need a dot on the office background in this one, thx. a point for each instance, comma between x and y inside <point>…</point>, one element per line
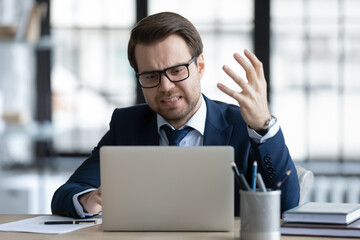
<point>64,68</point>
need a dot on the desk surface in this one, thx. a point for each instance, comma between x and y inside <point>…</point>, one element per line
<point>96,232</point>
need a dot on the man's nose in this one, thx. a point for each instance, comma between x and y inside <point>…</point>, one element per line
<point>165,83</point>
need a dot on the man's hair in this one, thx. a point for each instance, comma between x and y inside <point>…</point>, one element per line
<point>159,26</point>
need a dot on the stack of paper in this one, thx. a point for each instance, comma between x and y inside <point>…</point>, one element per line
<point>34,225</point>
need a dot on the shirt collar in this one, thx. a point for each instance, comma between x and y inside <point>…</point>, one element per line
<point>197,121</point>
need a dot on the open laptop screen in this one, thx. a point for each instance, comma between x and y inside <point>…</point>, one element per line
<point>162,188</point>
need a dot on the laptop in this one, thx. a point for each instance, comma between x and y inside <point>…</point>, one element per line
<point>162,188</point>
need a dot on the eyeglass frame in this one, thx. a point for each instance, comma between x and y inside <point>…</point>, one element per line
<point>164,72</point>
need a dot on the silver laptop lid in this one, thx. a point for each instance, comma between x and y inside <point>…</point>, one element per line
<point>156,188</point>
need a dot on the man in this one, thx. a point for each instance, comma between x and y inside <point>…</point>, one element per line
<point>165,51</point>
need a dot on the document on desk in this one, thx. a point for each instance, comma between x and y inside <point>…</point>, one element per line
<point>36,225</point>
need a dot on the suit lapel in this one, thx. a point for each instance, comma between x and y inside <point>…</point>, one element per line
<point>153,135</point>
<point>146,133</point>
<point>217,130</point>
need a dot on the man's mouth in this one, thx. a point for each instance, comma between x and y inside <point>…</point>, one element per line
<point>173,99</point>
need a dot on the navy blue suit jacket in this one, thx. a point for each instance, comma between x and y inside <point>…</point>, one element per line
<point>224,125</point>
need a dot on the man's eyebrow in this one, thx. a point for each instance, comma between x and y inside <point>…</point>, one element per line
<point>175,65</point>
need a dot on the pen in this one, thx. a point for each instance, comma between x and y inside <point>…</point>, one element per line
<point>283,179</point>
<point>260,182</point>
<point>254,176</point>
<point>236,173</point>
<point>244,183</point>
<point>240,178</point>
<point>70,222</point>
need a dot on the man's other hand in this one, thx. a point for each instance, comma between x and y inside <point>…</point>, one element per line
<point>91,201</point>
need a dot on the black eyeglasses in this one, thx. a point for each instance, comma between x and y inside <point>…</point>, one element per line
<point>176,73</point>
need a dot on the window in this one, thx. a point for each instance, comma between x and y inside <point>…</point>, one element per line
<point>315,56</point>
<point>90,74</point>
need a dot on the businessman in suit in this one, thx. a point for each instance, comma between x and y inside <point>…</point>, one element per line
<point>165,51</point>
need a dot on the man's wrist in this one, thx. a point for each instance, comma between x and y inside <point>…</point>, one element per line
<point>268,124</point>
<point>77,205</point>
<point>83,199</point>
<point>257,138</point>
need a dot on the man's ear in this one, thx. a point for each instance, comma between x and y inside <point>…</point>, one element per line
<point>200,65</point>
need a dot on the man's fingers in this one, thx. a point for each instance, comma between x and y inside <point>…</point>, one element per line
<point>252,98</point>
<point>254,70</point>
<point>251,74</point>
<point>257,64</point>
<point>97,199</point>
<point>236,95</point>
<point>239,80</point>
<point>97,196</point>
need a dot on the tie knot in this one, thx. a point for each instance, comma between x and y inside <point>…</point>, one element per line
<point>175,136</point>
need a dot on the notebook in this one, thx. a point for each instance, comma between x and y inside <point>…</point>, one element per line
<point>162,188</point>
<point>323,212</point>
<point>321,229</point>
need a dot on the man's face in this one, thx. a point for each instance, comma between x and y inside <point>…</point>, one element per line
<point>175,101</point>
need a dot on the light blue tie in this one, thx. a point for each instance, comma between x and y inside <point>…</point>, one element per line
<point>175,136</point>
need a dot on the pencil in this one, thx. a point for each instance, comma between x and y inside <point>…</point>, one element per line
<point>70,222</point>
<point>260,182</point>
<point>254,176</point>
<point>244,182</point>
<point>240,178</point>
<point>236,173</point>
<point>236,170</point>
<point>283,179</point>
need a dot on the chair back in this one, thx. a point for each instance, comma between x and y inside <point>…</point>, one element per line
<point>306,179</point>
